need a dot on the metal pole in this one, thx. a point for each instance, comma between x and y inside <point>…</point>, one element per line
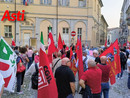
<point>15,22</point>
<point>57,22</point>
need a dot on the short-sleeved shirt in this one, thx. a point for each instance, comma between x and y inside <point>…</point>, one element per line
<point>64,76</point>
<point>128,65</point>
<point>30,53</point>
<point>105,71</point>
<point>92,78</point>
<point>2,82</point>
<point>24,56</point>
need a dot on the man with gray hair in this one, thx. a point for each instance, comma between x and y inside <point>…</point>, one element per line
<point>92,77</point>
<point>96,56</point>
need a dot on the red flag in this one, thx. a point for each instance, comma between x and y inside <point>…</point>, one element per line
<point>80,62</point>
<point>67,48</point>
<point>112,54</point>
<point>109,52</point>
<point>56,50</point>
<point>63,42</point>
<point>13,42</point>
<point>117,57</point>
<point>60,44</point>
<point>51,47</point>
<point>46,83</point>
<point>73,62</point>
<point>76,46</point>
<point>124,44</point>
<point>106,43</point>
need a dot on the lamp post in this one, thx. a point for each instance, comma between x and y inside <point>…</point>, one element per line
<point>15,22</point>
<point>57,22</point>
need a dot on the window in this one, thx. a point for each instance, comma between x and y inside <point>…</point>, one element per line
<point>46,2</point>
<point>79,33</point>
<point>28,1</point>
<point>65,30</point>
<point>7,0</point>
<point>8,31</point>
<point>97,37</point>
<point>63,2</point>
<point>82,3</point>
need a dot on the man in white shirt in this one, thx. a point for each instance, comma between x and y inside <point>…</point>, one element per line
<point>2,82</point>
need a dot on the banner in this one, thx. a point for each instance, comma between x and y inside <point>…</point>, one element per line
<point>109,53</point>
<point>113,55</point>
<point>46,83</point>
<point>79,55</point>
<point>8,67</point>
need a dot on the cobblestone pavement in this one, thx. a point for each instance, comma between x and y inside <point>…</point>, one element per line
<point>118,90</point>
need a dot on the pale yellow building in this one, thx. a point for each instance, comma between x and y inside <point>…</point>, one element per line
<point>103,30</point>
<point>64,16</point>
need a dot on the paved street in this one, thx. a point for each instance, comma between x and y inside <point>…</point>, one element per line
<point>118,90</point>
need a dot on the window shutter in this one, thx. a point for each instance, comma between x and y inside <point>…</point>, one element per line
<point>21,1</point>
<point>67,2</point>
<point>59,2</point>
<point>84,3</point>
<point>41,1</point>
<point>50,1</point>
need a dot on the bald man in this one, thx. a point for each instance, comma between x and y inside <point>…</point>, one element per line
<point>105,76</point>
<point>65,80</point>
<point>92,78</point>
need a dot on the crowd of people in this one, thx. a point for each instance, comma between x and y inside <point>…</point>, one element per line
<point>93,83</point>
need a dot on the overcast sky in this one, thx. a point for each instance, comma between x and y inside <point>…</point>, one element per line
<point>111,10</point>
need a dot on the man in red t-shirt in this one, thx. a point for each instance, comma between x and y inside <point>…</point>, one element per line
<point>105,76</point>
<point>92,77</point>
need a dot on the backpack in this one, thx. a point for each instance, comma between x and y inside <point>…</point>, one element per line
<point>123,58</point>
<point>34,78</point>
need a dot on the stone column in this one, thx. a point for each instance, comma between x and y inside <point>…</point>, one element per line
<point>37,29</point>
<point>17,33</point>
<point>54,27</point>
<point>21,42</point>
<point>72,28</point>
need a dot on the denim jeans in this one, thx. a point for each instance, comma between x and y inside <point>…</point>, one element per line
<point>70,96</point>
<point>19,80</point>
<point>120,74</point>
<point>30,62</point>
<point>96,95</point>
<point>128,84</point>
<point>105,89</point>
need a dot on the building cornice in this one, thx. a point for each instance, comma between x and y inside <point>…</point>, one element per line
<point>100,2</point>
<point>46,5</point>
<point>104,20</point>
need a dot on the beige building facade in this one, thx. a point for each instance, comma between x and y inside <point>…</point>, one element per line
<point>103,30</point>
<point>64,16</point>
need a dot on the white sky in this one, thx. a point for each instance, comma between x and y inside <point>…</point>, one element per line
<point>111,10</point>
